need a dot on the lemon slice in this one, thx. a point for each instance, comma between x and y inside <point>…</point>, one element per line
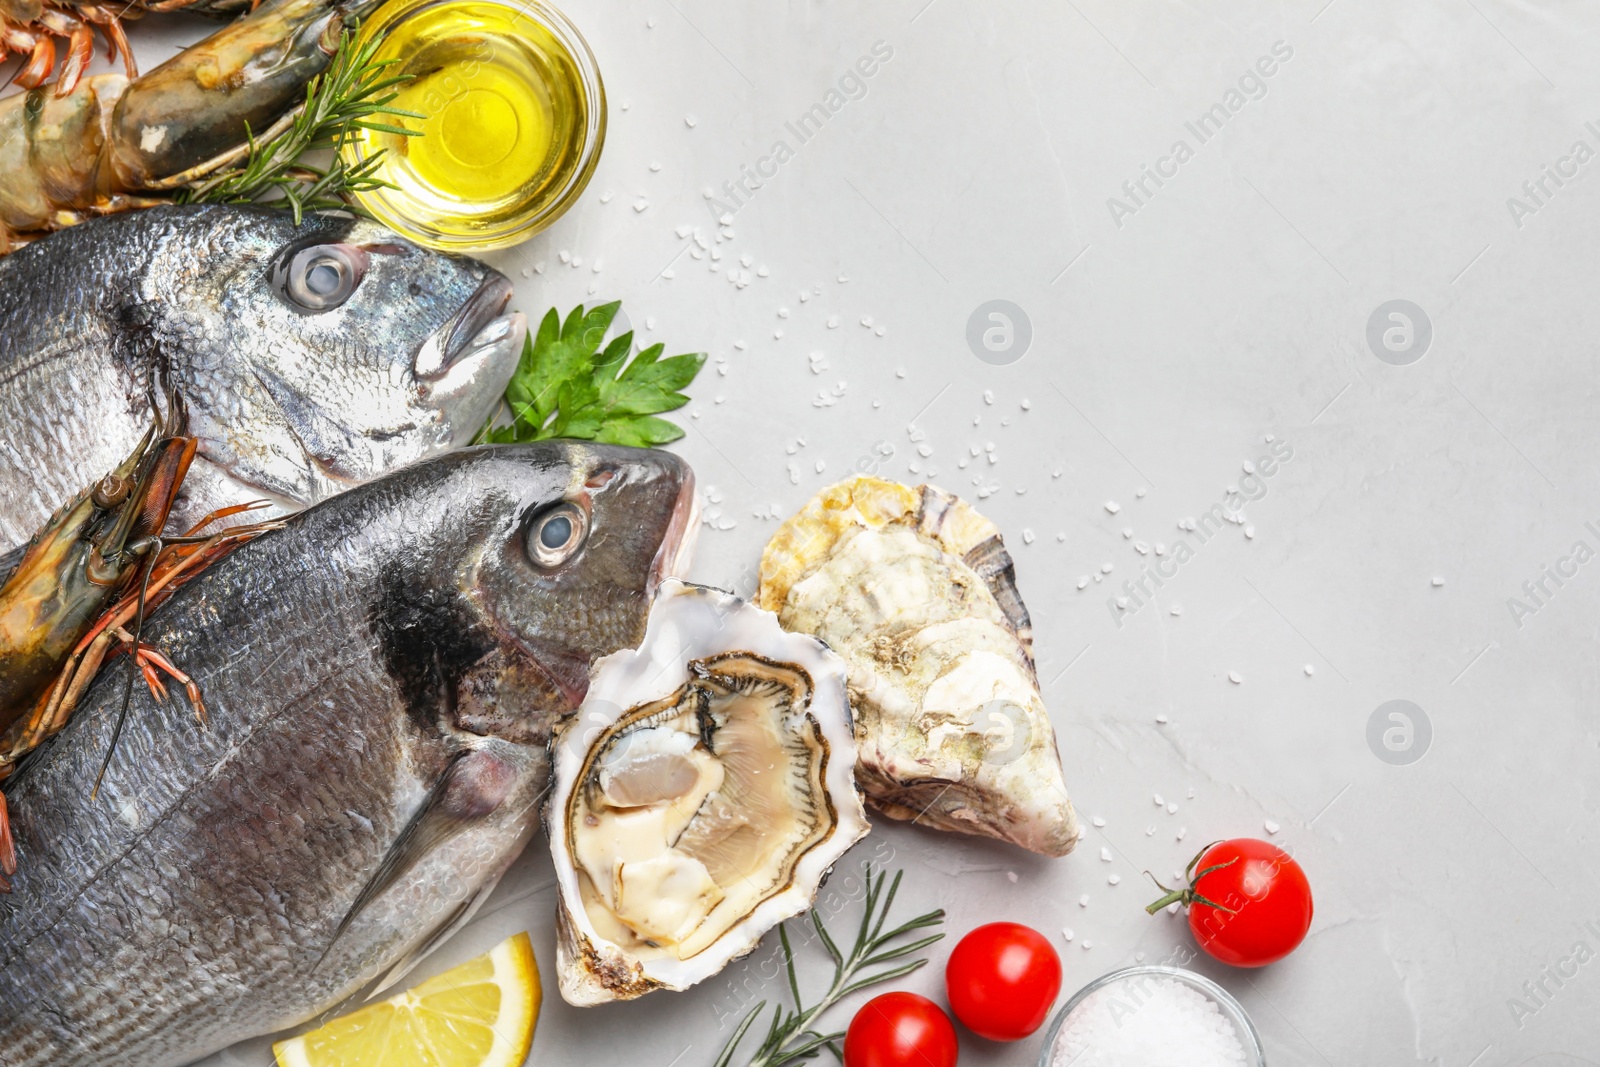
<point>481,1014</point>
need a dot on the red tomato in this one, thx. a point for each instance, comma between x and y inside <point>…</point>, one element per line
<point>1250,903</point>
<point>900,1030</point>
<point>1002,979</point>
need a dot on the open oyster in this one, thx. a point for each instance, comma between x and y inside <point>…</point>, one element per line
<point>699,796</point>
<point>915,589</point>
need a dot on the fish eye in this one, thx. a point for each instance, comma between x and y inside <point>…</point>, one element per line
<point>321,277</point>
<point>556,534</point>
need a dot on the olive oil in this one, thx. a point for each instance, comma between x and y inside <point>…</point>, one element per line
<point>515,114</point>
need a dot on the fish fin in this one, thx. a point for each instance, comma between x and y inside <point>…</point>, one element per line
<point>471,787</point>
<point>449,928</point>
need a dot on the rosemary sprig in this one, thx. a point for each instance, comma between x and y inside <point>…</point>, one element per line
<point>792,1036</point>
<point>345,98</point>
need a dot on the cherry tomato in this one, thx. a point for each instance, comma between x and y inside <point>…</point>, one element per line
<point>1002,979</point>
<point>900,1030</point>
<point>1250,903</point>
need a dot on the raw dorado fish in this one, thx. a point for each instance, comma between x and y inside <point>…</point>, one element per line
<point>310,358</point>
<point>382,678</point>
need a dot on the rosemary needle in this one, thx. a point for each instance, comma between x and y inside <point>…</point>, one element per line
<point>352,94</point>
<point>792,1036</point>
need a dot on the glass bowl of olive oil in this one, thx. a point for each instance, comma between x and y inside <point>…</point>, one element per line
<point>515,118</point>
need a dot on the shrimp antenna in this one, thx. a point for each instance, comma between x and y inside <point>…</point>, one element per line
<point>153,547</point>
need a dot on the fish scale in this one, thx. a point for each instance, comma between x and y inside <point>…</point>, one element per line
<point>287,403</point>
<point>199,899</point>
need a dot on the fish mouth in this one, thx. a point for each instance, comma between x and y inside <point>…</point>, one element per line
<point>479,324</point>
<point>677,546</point>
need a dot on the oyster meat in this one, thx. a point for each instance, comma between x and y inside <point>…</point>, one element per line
<point>916,591</point>
<point>700,795</point>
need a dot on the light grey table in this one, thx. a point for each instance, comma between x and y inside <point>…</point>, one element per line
<point>1185,306</point>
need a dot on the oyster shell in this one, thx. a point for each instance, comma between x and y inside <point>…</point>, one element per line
<point>916,590</point>
<point>699,797</point>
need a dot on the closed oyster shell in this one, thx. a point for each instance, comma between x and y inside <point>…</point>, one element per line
<point>916,591</point>
<point>699,796</point>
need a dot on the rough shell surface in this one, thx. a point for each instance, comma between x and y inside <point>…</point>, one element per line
<point>916,591</point>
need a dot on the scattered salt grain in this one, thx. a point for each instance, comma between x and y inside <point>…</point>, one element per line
<point>640,204</point>
<point>1087,945</point>
<point>1250,532</point>
<point>1172,808</point>
<point>1233,676</point>
<point>1098,820</point>
<point>1177,609</point>
<point>1162,719</point>
<point>1140,492</point>
<point>1437,582</point>
<point>1150,831</point>
<point>866,320</point>
<point>1147,1021</point>
<point>1105,854</point>
<point>1083,901</point>
<point>655,165</point>
<point>1157,798</point>
<point>1114,879</point>
<point>1183,831</point>
<point>1027,537</point>
<point>1310,670</point>
<point>1112,507</point>
<point>690,121</point>
<point>1066,932</point>
<point>1271,827</point>
<point>1011,876</point>
<point>1105,568</point>
<point>1127,533</point>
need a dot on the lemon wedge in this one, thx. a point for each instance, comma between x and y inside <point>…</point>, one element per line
<point>481,1014</point>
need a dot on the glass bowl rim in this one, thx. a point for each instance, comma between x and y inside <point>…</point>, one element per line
<point>593,133</point>
<point>1226,1002</point>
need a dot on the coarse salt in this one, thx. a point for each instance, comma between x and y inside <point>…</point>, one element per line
<point>1148,1021</point>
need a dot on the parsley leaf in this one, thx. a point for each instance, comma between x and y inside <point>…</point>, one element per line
<point>566,385</point>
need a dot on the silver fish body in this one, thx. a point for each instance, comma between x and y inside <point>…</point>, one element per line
<point>309,358</point>
<point>382,677</point>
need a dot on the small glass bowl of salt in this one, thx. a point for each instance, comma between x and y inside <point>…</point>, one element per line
<point>1152,1017</point>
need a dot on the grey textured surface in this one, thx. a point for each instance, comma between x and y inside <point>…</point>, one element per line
<point>1232,303</point>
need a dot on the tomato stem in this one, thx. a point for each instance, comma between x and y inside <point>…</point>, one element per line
<point>1189,896</point>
